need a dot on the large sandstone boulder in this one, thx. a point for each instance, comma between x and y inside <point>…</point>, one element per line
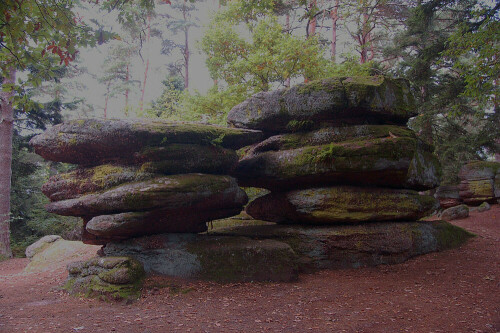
<point>354,100</point>
<point>194,191</point>
<point>97,141</point>
<point>479,182</point>
<point>222,259</point>
<point>342,204</point>
<point>111,278</point>
<point>355,246</point>
<point>401,162</point>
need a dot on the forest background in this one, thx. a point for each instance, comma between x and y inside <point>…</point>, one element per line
<point>195,60</point>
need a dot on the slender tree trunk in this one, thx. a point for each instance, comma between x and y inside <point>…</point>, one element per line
<point>313,22</point>
<point>147,67</point>
<point>287,27</point>
<point>334,14</point>
<point>186,48</point>
<point>127,78</point>
<point>6,133</point>
<point>107,99</point>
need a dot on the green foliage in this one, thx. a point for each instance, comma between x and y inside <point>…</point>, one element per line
<point>29,219</point>
<point>473,51</point>
<point>270,57</point>
<point>452,76</point>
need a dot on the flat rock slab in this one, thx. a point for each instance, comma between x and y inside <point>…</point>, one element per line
<point>336,247</point>
<point>342,204</point>
<point>96,141</point>
<point>135,224</point>
<point>401,162</point>
<point>354,100</point>
<point>222,259</point>
<point>111,278</point>
<point>194,191</point>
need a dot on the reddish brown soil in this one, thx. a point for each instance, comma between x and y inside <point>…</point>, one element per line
<point>451,291</point>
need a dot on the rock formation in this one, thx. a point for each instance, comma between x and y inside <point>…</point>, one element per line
<point>339,154</point>
<point>139,178</point>
<point>480,182</point>
<point>343,170</point>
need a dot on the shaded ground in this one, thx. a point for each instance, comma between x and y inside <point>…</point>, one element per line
<point>452,291</point>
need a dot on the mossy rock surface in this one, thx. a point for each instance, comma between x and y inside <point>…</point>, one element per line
<point>342,204</point>
<point>135,224</point>
<point>353,246</point>
<point>401,162</point>
<point>221,259</point>
<point>475,192</point>
<point>40,245</point>
<point>354,100</point>
<point>108,278</point>
<point>97,141</point>
<point>454,213</point>
<point>329,135</point>
<point>93,179</point>
<point>195,191</point>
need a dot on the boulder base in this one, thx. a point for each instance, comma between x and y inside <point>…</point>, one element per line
<point>342,204</point>
<point>222,259</point>
<point>369,244</point>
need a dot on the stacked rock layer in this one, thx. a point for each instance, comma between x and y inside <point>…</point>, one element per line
<point>338,153</point>
<point>479,182</point>
<point>139,178</point>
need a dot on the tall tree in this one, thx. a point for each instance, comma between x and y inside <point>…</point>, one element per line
<point>32,32</point>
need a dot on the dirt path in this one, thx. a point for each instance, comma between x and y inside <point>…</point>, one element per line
<point>451,291</point>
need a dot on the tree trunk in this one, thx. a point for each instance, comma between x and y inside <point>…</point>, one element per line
<point>127,78</point>
<point>334,14</point>
<point>147,67</point>
<point>313,22</point>
<point>6,133</point>
<point>107,99</point>
<point>186,48</point>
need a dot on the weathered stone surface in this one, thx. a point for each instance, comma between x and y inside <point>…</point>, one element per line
<point>454,213</point>
<point>222,259</point>
<point>448,196</point>
<point>97,141</point>
<point>186,158</point>
<point>134,224</point>
<point>474,192</point>
<point>145,165</point>
<point>343,204</point>
<point>196,191</point>
<point>113,278</point>
<point>480,182</point>
<point>400,162</point>
<point>483,207</point>
<point>58,254</point>
<point>355,100</point>
<point>327,135</point>
<point>95,179</point>
<point>40,245</point>
<point>354,246</point>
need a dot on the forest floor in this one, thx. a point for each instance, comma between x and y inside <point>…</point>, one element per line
<point>452,291</point>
